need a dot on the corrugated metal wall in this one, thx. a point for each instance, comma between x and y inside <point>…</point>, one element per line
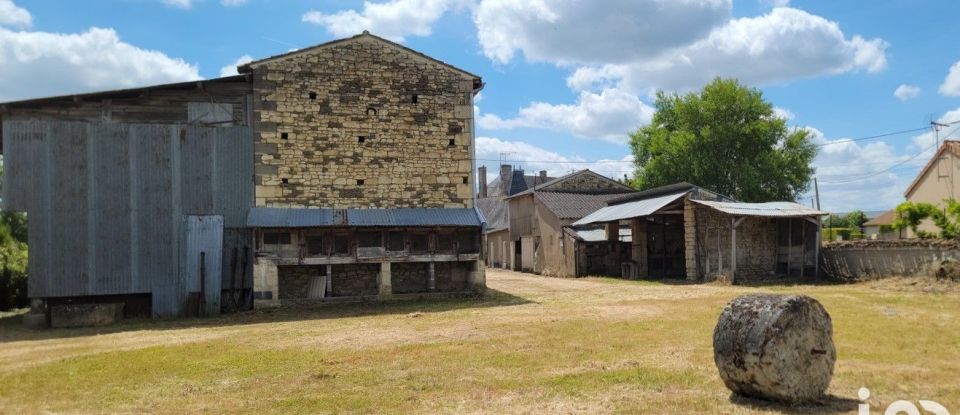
<point>105,201</point>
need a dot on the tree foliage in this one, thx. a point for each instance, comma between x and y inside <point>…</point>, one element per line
<point>911,214</point>
<point>725,138</point>
<point>13,258</point>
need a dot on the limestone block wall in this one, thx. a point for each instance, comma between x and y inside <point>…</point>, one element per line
<point>410,277</point>
<point>454,276</point>
<point>363,123</point>
<point>355,279</point>
<point>756,246</point>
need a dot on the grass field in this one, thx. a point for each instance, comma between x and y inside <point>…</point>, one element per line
<point>534,345</point>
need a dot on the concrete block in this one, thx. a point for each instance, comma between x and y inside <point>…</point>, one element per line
<point>85,315</point>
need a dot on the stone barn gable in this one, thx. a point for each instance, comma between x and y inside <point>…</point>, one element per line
<point>363,123</point>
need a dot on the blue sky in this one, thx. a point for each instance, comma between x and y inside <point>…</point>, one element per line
<point>566,80</point>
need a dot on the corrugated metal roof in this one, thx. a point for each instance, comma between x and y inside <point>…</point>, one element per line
<point>600,235</point>
<point>769,209</point>
<point>267,217</point>
<point>574,205</point>
<point>629,210</point>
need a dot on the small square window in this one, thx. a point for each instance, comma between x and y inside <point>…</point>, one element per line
<point>284,136</point>
<point>414,98</point>
<point>419,242</point>
<point>359,182</point>
<point>276,238</point>
<point>371,111</point>
<point>361,139</point>
<point>314,245</point>
<point>466,180</point>
<point>313,95</point>
<point>285,181</point>
<point>341,245</point>
<point>452,142</point>
<point>395,241</point>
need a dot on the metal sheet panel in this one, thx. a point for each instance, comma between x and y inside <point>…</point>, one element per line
<point>105,200</point>
<point>201,261</point>
<point>110,192</point>
<point>768,209</point>
<point>233,175</point>
<point>629,210</point>
<point>70,265</point>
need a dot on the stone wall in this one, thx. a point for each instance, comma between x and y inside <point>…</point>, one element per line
<point>349,280</point>
<point>355,279</point>
<point>588,183</point>
<point>866,260</point>
<point>756,246</point>
<point>410,277</point>
<point>363,123</point>
<point>453,276</point>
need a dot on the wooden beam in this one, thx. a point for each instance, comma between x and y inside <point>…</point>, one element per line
<point>733,249</point>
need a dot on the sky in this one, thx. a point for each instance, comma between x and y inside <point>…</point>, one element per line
<point>566,80</point>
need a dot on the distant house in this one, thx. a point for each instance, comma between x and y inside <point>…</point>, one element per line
<point>935,182</point>
<point>880,227</point>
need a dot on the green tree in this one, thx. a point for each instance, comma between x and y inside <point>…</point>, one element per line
<point>725,138</point>
<point>910,214</point>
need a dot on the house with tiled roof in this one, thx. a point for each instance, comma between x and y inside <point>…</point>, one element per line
<point>935,182</point>
<point>537,218</point>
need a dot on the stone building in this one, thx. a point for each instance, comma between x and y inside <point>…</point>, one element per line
<point>343,170</point>
<point>684,231</point>
<point>492,203</point>
<point>537,218</point>
<point>364,173</point>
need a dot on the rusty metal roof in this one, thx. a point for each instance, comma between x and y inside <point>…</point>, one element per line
<point>271,217</point>
<point>768,209</point>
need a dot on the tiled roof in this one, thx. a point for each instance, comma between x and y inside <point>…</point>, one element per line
<point>494,211</point>
<point>495,187</point>
<point>885,218</point>
<point>574,205</point>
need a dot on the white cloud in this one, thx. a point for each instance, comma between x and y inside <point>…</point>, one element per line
<point>905,92</point>
<point>233,3</point>
<point>38,64</point>
<point>784,113</point>
<point>231,69</point>
<point>534,158</point>
<point>951,84</point>
<point>183,4</point>
<point>575,31</point>
<point>783,45</point>
<point>13,16</point>
<point>610,115</point>
<point>394,20</point>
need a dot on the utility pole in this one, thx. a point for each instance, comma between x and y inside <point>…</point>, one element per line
<point>816,192</point>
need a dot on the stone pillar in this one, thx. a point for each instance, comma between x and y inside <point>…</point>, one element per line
<point>432,277</point>
<point>690,238</point>
<point>613,241</point>
<point>266,284</point>
<point>384,282</point>
<point>477,277</point>
<point>329,280</point>
<point>638,252</point>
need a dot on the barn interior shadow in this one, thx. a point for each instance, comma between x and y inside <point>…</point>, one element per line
<point>830,404</point>
<point>11,327</point>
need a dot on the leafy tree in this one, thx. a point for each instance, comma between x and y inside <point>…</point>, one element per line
<point>856,219</point>
<point>725,138</point>
<point>910,214</point>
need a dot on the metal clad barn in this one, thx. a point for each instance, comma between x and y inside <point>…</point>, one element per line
<point>106,203</point>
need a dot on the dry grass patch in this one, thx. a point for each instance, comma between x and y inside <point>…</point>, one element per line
<point>535,345</point>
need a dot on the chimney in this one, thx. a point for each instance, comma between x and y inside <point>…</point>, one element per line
<point>482,172</point>
<point>506,178</point>
<point>543,176</point>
